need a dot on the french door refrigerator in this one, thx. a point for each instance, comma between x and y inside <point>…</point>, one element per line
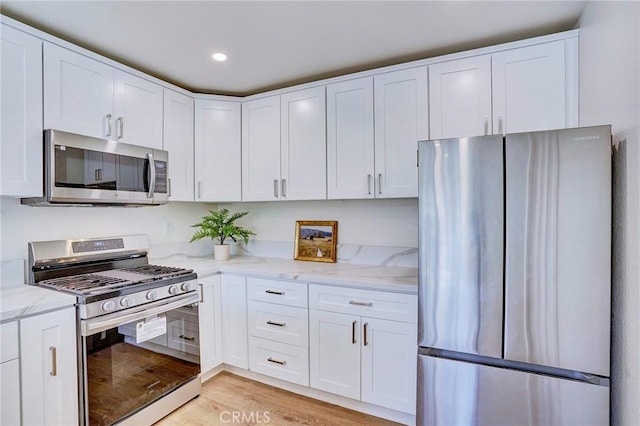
<point>515,279</point>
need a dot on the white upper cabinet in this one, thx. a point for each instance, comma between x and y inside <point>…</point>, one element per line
<point>303,148</point>
<point>218,151</point>
<point>401,120</point>
<point>519,90</point>
<point>261,149</point>
<point>529,91</point>
<point>21,115</point>
<point>137,110</point>
<point>85,96</point>
<point>178,141</point>
<point>350,153</point>
<point>460,98</point>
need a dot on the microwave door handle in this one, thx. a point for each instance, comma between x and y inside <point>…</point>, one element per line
<point>152,175</point>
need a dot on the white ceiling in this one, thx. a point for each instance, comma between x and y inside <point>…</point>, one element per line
<point>275,44</point>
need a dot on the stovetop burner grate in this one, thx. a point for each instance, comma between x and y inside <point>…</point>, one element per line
<point>81,284</point>
<point>156,270</point>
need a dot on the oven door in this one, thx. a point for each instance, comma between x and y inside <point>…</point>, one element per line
<point>132,358</point>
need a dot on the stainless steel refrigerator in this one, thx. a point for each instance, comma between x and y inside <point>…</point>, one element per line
<point>515,279</point>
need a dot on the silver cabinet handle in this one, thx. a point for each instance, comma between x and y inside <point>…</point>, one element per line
<point>279,293</point>
<point>486,126</point>
<point>369,184</point>
<point>201,292</point>
<point>379,183</point>
<point>120,122</point>
<point>364,338</point>
<point>109,120</point>
<point>190,339</point>
<point>275,361</point>
<point>279,324</point>
<point>169,186</point>
<point>283,184</point>
<point>353,302</point>
<point>199,189</point>
<point>353,332</point>
<point>152,175</point>
<point>275,188</point>
<point>499,125</point>
<point>54,361</point>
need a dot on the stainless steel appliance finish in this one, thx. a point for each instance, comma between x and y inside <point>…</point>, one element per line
<point>136,324</point>
<point>85,170</point>
<point>461,230</point>
<point>545,210</point>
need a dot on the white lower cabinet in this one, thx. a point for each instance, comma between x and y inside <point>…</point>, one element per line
<point>234,321</point>
<point>279,360</point>
<point>49,368</point>
<point>210,315</point>
<point>9,374</point>
<point>358,355</point>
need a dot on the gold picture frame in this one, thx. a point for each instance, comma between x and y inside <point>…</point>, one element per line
<point>316,240</point>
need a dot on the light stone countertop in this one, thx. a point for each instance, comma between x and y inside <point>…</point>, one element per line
<point>22,300</point>
<point>385,278</point>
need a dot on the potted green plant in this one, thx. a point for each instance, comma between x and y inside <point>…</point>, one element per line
<point>219,226</point>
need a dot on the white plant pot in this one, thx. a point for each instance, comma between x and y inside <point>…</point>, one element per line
<point>221,252</point>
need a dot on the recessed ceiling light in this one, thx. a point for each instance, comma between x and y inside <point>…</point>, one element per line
<point>220,57</point>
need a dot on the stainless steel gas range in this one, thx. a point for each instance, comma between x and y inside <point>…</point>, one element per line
<point>137,326</point>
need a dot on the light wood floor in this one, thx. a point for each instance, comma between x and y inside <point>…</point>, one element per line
<point>226,395</point>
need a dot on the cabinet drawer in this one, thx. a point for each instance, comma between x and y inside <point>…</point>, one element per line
<point>279,360</point>
<point>184,336</point>
<point>370,303</point>
<point>8,341</point>
<point>188,313</point>
<point>286,324</point>
<point>276,291</point>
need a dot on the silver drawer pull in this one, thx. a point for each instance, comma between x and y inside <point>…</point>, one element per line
<point>183,337</point>
<point>279,293</point>
<point>279,324</point>
<point>275,361</point>
<point>353,302</point>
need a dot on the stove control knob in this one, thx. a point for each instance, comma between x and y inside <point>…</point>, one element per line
<point>185,286</point>
<point>152,295</point>
<point>125,302</point>
<point>108,306</point>
<point>173,289</point>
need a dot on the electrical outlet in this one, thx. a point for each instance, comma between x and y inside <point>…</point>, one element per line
<point>168,227</point>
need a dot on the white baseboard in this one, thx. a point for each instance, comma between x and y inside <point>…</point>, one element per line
<point>352,404</point>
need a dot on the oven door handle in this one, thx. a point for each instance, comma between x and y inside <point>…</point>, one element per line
<point>105,322</point>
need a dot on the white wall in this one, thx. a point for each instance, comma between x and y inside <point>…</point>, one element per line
<point>610,94</point>
<point>164,224</point>
<point>391,223</point>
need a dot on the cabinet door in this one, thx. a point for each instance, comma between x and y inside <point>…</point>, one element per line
<point>529,88</point>
<point>210,316</point>
<point>350,139</point>
<point>78,93</point>
<point>137,110</point>
<point>303,149</point>
<point>218,154</point>
<point>389,364</point>
<point>460,98</point>
<point>261,149</point>
<point>21,114</point>
<point>334,353</point>
<point>178,140</point>
<point>49,368</point>
<point>234,321</point>
<point>401,120</point>
<point>10,392</point>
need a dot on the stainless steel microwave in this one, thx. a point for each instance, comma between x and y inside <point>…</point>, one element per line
<point>85,170</point>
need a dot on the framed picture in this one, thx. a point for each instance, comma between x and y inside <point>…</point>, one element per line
<point>316,240</point>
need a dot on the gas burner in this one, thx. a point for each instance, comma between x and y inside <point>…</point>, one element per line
<point>157,271</point>
<point>83,284</point>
